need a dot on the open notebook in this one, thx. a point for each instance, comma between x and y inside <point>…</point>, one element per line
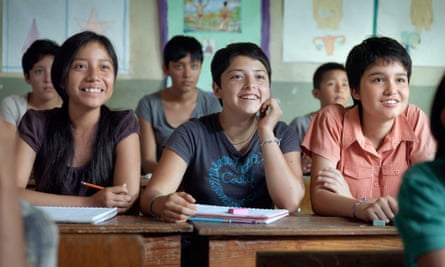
<point>79,214</point>
<point>212,213</point>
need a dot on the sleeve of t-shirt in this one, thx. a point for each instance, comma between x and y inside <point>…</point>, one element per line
<point>31,128</point>
<point>323,136</point>
<point>289,141</point>
<point>421,215</point>
<point>145,109</point>
<point>9,111</point>
<point>209,104</point>
<point>126,124</point>
<point>183,140</point>
<point>424,148</point>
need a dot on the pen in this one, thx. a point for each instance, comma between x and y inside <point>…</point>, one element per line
<point>92,185</point>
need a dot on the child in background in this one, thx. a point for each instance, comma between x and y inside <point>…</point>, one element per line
<point>231,158</point>
<point>330,87</point>
<point>162,112</point>
<point>421,216</point>
<point>83,140</point>
<point>36,64</point>
<point>360,153</point>
<point>24,230</point>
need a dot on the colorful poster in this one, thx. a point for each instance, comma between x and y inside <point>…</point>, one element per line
<point>27,20</point>
<point>324,30</point>
<point>215,23</point>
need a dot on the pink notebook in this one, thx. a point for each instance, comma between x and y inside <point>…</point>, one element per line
<point>212,213</point>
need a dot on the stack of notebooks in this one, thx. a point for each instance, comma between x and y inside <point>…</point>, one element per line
<point>91,215</point>
<point>212,213</point>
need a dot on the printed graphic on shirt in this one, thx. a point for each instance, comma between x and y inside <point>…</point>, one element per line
<point>230,173</point>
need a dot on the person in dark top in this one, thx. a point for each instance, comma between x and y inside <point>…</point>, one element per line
<point>83,140</point>
<point>241,156</point>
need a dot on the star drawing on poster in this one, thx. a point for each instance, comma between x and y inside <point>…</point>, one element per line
<point>94,24</point>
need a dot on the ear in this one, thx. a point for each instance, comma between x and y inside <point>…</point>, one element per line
<point>442,118</point>
<point>27,80</point>
<point>316,93</point>
<point>216,90</point>
<point>355,94</point>
<point>165,70</point>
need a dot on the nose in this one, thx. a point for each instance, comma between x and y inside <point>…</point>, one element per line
<point>250,83</point>
<point>93,74</point>
<point>47,77</point>
<point>390,88</point>
<point>187,71</point>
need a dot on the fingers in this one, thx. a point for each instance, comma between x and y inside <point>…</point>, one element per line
<point>384,208</point>
<point>331,179</point>
<point>178,207</point>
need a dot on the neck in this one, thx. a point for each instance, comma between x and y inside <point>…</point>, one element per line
<point>178,95</point>
<point>41,104</point>
<point>376,131</point>
<point>238,132</point>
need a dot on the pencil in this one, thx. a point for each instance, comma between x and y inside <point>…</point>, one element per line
<point>92,185</point>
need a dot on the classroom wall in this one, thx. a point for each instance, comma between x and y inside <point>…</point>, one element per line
<point>291,82</point>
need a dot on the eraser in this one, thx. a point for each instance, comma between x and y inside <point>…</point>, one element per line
<point>378,223</point>
<point>239,211</point>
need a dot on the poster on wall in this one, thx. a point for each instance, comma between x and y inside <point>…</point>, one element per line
<point>24,21</point>
<point>215,23</point>
<point>418,25</point>
<point>318,31</point>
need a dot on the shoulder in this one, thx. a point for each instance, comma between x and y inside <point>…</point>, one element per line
<point>150,99</point>
<point>414,113</point>
<point>123,116</point>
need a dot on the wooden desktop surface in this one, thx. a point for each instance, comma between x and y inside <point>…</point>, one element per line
<point>238,244</point>
<point>155,243</point>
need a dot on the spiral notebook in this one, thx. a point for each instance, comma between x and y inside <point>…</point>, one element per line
<point>91,215</point>
<point>213,213</point>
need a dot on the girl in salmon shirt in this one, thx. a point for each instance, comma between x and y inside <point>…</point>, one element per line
<point>359,154</point>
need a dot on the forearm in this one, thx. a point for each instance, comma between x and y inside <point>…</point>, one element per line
<point>46,199</point>
<point>12,246</point>
<point>323,203</point>
<point>284,179</point>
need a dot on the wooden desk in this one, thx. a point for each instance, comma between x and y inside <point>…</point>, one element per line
<point>161,241</point>
<point>238,244</point>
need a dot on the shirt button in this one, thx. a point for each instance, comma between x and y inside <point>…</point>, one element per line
<point>397,172</point>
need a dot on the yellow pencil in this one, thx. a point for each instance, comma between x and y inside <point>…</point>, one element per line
<point>92,185</point>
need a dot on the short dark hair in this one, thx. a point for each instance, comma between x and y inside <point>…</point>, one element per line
<point>437,126</point>
<point>322,69</point>
<point>365,54</point>
<point>224,56</point>
<point>180,46</point>
<point>64,58</point>
<point>36,51</point>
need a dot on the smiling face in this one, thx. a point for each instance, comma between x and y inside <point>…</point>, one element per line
<point>244,85</point>
<point>184,73</point>
<point>384,90</point>
<point>334,88</point>
<point>39,77</point>
<point>90,78</point>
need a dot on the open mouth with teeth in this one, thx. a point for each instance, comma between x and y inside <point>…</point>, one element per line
<point>92,90</point>
<point>390,102</point>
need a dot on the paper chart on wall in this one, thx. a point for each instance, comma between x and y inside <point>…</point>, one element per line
<point>27,20</point>
<point>320,31</point>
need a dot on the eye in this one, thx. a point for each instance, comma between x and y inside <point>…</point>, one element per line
<point>236,77</point>
<point>178,66</point>
<point>38,71</point>
<point>261,77</point>
<point>195,66</point>
<point>401,80</point>
<point>79,66</point>
<point>105,67</point>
